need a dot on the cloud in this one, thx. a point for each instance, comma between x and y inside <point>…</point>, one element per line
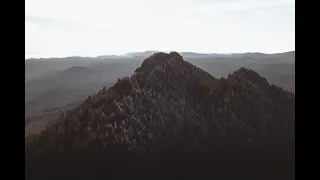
<point>94,12</point>
<point>45,21</point>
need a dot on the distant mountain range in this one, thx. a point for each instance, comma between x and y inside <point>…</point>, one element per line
<point>146,54</point>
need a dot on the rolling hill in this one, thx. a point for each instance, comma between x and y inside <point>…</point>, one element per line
<point>58,88</point>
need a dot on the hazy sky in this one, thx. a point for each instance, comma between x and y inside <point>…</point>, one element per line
<point>97,27</point>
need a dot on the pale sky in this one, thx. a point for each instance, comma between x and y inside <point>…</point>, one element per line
<point>58,28</point>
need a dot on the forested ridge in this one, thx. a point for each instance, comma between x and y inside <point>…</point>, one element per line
<point>171,118</point>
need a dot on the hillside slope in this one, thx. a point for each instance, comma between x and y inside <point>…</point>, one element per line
<point>62,87</point>
<point>168,117</point>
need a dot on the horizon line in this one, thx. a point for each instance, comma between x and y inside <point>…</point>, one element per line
<point>127,53</point>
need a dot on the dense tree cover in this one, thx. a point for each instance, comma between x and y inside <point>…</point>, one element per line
<point>167,117</point>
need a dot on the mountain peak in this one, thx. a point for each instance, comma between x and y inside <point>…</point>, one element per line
<point>175,54</point>
<point>170,106</point>
<point>160,58</point>
<point>249,76</point>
